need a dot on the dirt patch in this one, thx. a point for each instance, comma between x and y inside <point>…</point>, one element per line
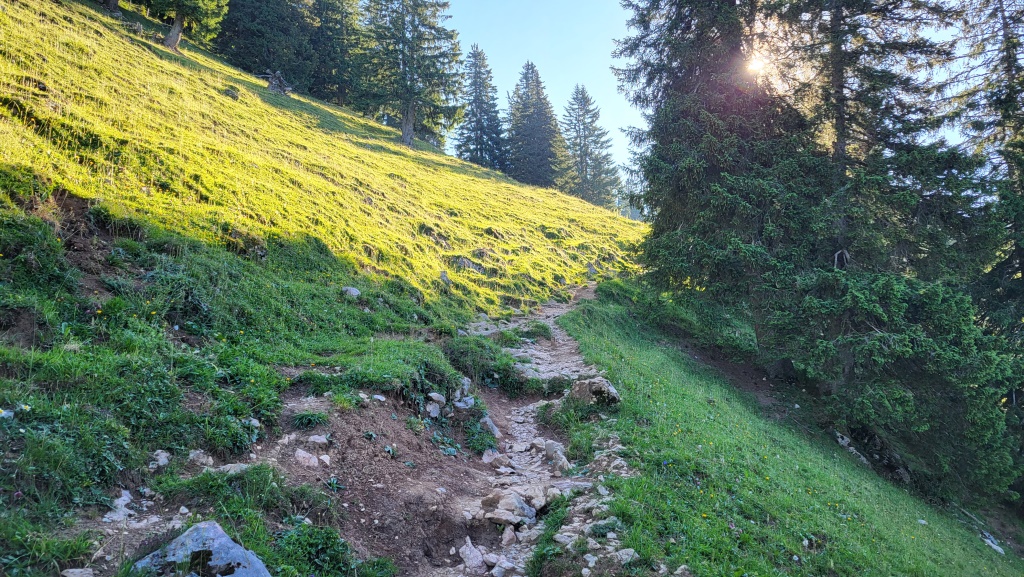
<point>18,327</point>
<point>398,484</point>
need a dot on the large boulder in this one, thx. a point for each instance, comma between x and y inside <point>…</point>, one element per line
<point>597,391</point>
<point>206,550</point>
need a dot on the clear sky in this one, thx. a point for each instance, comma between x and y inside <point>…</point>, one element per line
<point>570,41</point>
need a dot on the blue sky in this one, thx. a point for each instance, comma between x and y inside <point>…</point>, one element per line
<point>570,41</point>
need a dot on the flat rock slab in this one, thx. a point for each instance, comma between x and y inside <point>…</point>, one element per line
<point>207,550</point>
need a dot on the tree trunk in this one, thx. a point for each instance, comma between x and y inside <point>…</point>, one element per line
<point>112,5</point>
<point>840,147</point>
<point>1011,73</point>
<point>174,36</point>
<point>408,123</point>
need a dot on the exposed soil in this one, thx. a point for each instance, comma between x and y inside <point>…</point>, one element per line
<point>86,246</point>
<point>18,327</point>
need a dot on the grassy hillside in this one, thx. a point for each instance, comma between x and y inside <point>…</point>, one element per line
<point>189,144</point>
<point>727,490</point>
<point>174,240</point>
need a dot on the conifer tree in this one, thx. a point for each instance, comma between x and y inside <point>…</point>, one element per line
<point>991,108</point>
<point>201,17</point>
<point>340,44</point>
<point>261,35</point>
<point>821,205</point>
<point>537,152</point>
<point>597,177</point>
<point>414,72</point>
<point>480,136</point>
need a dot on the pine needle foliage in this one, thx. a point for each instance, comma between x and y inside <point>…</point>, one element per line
<point>415,66</point>
<point>589,146</point>
<point>537,151</point>
<point>480,137</point>
<point>816,202</point>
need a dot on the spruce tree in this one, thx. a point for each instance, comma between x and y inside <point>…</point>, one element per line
<point>820,205</point>
<point>480,137</point>
<point>340,44</point>
<point>261,35</point>
<point>537,151</point>
<point>414,66</point>
<point>908,219</point>
<point>201,17</point>
<point>597,177</point>
<point>991,108</point>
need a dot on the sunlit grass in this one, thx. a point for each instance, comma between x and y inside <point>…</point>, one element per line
<point>113,117</point>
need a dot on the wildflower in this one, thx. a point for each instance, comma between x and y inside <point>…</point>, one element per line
<point>26,408</point>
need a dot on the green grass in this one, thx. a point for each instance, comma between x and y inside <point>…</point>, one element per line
<point>95,111</point>
<point>214,239</point>
<point>729,492</point>
<point>309,420</point>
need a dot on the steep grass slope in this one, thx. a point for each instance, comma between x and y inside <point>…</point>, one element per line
<point>174,240</point>
<point>189,144</point>
<point>730,491</point>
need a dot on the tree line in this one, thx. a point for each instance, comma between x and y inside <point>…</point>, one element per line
<point>395,61</point>
<point>849,180</point>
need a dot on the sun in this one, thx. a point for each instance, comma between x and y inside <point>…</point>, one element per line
<point>756,65</point>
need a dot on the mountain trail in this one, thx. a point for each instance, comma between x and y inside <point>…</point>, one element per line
<point>410,494</point>
<point>533,472</point>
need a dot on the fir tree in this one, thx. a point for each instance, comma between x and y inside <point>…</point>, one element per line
<point>819,204</point>
<point>597,177</point>
<point>537,153</point>
<point>341,45</point>
<point>991,108</point>
<point>261,35</point>
<point>201,17</point>
<point>414,66</point>
<point>480,136</point>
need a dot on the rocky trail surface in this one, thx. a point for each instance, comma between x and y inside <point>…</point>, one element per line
<point>435,514</point>
<point>533,471</point>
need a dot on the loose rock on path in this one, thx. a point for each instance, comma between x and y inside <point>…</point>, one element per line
<point>531,471</point>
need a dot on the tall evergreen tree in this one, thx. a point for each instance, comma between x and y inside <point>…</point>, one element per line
<point>480,137</point>
<point>201,17</point>
<point>874,111</point>
<point>341,45</point>
<point>537,151</point>
<point>991,108</point>
<point>261,35</point>
<point>731,171</point>
<point>909,224</point>
<point>597,177</point>
<point>819,205</point>
<point>415,65</point>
